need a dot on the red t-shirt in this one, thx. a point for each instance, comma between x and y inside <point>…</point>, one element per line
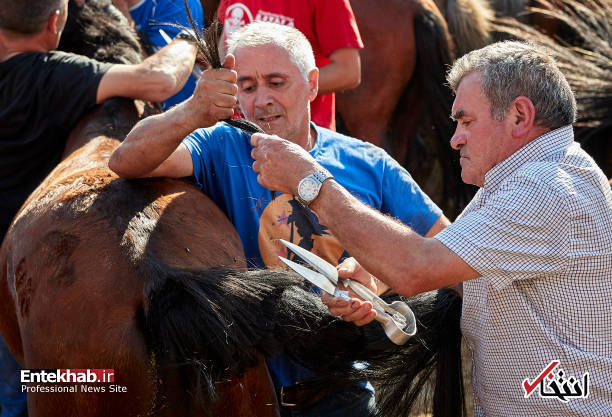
<point>327,24</point>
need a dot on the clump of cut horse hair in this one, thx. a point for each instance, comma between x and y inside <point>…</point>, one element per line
<point>27,17</point>
<point>207,325</point>
<point>510,69</point>
<point>207,43</point>
<point>287,38</point>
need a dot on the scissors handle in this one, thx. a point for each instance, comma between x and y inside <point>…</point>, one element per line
<point>397,318</point>
<point>368,295</point>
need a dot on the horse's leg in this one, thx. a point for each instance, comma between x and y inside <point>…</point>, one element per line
<point>387,62</point>
<point>9,327</point>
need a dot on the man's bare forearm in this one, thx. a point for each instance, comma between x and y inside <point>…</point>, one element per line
<point>151,142</point>
<point>171,65</point>
<point>386,248</point>
<point>394,253</point>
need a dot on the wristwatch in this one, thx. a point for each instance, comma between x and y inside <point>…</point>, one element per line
<point>309,186</point>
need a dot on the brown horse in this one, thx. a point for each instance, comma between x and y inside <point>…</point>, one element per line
<point>402,103</point>
<point>75,282</point>
<point>100,272</point>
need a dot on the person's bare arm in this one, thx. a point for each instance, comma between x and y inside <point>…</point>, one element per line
<point>407,262</point>
<point>153,147</point>
<point>156,78</point>
<point>342,73</point>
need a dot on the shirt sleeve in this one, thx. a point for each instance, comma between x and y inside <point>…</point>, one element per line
<point>75,79</point>
<point>404,199</point>
<point>198,145</point>
<point>521,232</point>
<point>335,26</point>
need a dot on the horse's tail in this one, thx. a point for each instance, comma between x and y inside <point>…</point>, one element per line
<point>469,22</point>
<point>434,49</point>
<point>206,325</point>
<point>404,376</point>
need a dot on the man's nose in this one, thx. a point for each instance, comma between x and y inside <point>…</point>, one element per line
<point>263,97</point>
<point>457,140</point>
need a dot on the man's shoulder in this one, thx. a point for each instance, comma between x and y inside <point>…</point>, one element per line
<point>349,144</point>
<point>40,61</point>
<point>55,56</point>
<point>562,176</point>
<point>222,137</point>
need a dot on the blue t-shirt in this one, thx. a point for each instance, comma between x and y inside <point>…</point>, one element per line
<point>152,15</point>
<point>222,169</point>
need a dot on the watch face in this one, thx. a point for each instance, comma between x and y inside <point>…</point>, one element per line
<point>308,189</point>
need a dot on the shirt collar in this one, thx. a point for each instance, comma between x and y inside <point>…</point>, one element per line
<point>551,146</point>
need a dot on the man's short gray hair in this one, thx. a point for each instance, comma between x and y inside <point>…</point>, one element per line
<point>511,69</point>
<point>27,16</point>
<point>285,37</point>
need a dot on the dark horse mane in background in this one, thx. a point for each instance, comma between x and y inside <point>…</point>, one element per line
<point>146,277</point>
<point>582,49</point>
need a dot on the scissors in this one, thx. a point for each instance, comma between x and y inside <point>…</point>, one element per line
<point>397,319</point>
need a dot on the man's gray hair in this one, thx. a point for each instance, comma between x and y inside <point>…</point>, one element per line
<point>27,16</point>
<point>511,69</point>
<point>285,37</point>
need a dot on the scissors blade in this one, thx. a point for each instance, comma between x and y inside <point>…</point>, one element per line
<point>313,277</point>
<point>315,261</point>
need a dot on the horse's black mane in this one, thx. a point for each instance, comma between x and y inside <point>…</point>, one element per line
<point>207,43</point>
<point>99,31</point>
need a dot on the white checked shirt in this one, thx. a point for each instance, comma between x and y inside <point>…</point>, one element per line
<point>539,232</point>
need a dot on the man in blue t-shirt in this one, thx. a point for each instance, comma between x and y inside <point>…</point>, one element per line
<point>276,80</point>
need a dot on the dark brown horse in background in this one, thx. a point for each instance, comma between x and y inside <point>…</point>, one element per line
<point>403,103</point>
<point>101,272</point>
<point>581,46</point>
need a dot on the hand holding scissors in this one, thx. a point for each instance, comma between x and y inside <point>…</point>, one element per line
<point>397,319</point>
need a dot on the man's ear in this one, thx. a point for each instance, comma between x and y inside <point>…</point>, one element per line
<point>53,22</point>
<point>523,116</point>
<point>313,82</point>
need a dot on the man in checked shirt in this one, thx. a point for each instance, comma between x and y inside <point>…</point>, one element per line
<point>533,249</point>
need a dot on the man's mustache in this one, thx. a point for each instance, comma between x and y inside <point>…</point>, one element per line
<point>268,111</point>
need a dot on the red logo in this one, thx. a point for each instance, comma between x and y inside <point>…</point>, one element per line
<point>557,384</point>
